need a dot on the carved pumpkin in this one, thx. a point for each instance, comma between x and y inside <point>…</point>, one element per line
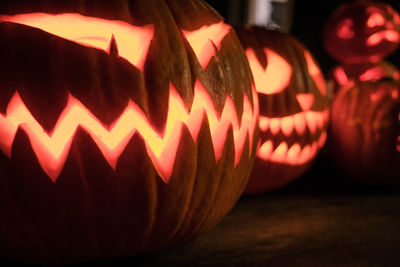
<point>364,72</point>
<point>362,31</point>
<point>125,127</point>
<point>364,136</point>
<point>293,106</point>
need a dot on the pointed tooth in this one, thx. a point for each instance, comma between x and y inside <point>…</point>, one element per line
<point>293,154</point>
<point>279,155</point>
<point>287,125</point>
<point>311,122</point>
<point>265,150</point>
<point>299,123</point>
<point>320,120</point>
<point>304,155</point>
<point>275,125</point>
<point>314,150</point>
<point>263,123</point>
<point>322,139</point>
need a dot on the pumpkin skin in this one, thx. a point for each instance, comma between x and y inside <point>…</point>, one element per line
<point>90,209</point>
<point>362,31</point>
<point>364,133</point>
<point>294,107</point>
<point>364,72</point>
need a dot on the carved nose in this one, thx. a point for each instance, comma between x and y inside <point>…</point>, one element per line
<point>305,100</point>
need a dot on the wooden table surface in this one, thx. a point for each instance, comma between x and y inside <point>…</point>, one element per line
<point>322,219</point>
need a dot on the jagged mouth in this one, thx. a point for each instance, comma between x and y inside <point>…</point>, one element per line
<point>293,140</point>
<point>378,37</point>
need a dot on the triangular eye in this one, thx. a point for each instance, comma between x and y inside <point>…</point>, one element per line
<point>305,100</point>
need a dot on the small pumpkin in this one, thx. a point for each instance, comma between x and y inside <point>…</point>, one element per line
<point>125,126</point>
<point>293,106</point>
<point>364,134</point>
<point>362,31</point>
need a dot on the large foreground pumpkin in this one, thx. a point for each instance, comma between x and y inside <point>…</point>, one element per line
<point>364,135</point>
<point>293,106</point>
<point>125,126</point>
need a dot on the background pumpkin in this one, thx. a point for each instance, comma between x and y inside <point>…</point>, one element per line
<point>92,206</point>
<point>364,134</point>
<point>293,106</point>
<point>362,31</point>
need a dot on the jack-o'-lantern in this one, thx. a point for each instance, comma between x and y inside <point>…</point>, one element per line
<point>368,71</point>
<point>293,106</point>
<point>362,31</point>
<point>125,126</point>
<point>364,134</point>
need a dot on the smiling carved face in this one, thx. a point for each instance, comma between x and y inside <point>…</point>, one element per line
<point>362,31</point>
<point>125,126</point>
<point>293,106</point>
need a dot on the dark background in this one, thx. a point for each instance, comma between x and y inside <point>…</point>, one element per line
<point>307,24</point>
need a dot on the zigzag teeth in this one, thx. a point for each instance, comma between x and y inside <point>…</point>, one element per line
<point>293,155</point>
<point>311,120</point>
<point>52,150</point>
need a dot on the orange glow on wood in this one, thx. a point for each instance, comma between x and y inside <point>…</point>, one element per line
<point>315,73</point>
<point>275,77</point>
<point>204,39</point>
<point>52,148</point>
<point>133,41</point>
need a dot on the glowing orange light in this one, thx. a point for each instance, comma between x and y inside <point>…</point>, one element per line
<point>305,100</point>
<point>398,140</point>
<point>133,42</point>
<point>340,76</point>
<point>345,29</point>
<point>204,39</point>
<point>294,155</point>
<point>375,19</point>
<point>372,74</point>
<point>398,144</point>
<point>378,37</point>
<point>275,78</point>
<point>52,149</point>
<point>315,73</point>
